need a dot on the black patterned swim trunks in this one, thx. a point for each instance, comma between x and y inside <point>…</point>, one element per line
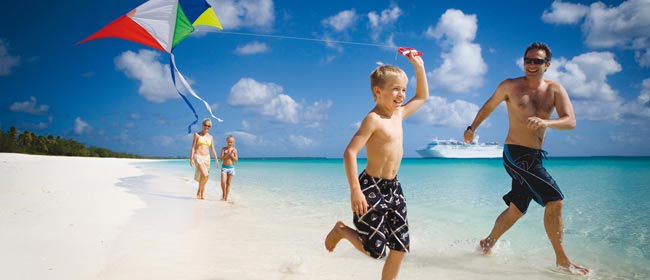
<point>384,224</point>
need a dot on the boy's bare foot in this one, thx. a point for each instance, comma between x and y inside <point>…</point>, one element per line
<point>486,245</point>
<point>574,269</point>
<point>334,236</point>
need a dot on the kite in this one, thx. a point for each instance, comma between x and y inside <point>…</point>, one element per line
<point>163,24</point>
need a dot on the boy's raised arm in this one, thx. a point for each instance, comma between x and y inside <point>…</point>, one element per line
<point>421,89</point>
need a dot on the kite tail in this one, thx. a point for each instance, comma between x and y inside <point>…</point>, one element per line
<point>182,80</point>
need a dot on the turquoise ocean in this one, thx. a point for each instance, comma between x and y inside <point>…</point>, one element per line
<point>453,203</point>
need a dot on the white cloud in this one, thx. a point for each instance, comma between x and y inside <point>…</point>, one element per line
<point>626,25</point>
<point>81,126</point>
<point>378,22</point>
<point>245,125</point>
<point>267,99</point>
<point>565,13</point>
<point>29,107</point>
<point>463,67</point>
<point>155,77</point>
<point>438,111</point>
<point>641,106</point>
<point>585,79</point>
<point>585,76</point>
<point>245,138</point>
<point>7,61</point>
<point>301,141</point>
<point>252,48</point>
<point>454,27</point>
<point>341,21</point>
<point>642,57</point>
<point>234,14</point>
<point>316,112</point>
<point>163,140</point>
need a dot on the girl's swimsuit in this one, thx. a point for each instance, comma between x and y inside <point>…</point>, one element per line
<point>228,169</point>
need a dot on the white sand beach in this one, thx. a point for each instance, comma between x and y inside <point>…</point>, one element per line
<point>72,218</point>
<point>92,218</point>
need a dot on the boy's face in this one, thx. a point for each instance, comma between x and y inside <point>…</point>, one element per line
<point>392,94</point>
<point>230,142</point>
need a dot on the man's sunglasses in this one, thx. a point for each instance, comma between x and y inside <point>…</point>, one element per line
<point>534,61</point>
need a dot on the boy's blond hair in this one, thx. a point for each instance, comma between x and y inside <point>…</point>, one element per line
<point>383,74</point>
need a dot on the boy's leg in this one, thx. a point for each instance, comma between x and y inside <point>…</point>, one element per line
<point>392,265</point>
<point>507,218</point>
<point>341,231</point>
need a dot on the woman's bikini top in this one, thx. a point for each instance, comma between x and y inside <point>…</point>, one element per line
<point>202,141</point>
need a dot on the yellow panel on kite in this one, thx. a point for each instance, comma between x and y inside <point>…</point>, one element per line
<point>209,18</point>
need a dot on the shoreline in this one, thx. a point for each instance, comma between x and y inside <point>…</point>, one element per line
<point>103,218</point>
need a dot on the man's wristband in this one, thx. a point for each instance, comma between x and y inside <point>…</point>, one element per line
<point>470,128</point>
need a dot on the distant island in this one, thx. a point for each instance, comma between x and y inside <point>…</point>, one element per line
<point>27,142</point>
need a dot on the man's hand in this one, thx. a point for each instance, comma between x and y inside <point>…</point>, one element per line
<point>535,123</point>
<point>468,136</point>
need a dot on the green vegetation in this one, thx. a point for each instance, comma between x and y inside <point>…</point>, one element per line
<point>29,143</point>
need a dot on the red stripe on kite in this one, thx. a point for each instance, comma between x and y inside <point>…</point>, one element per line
<point>125,28</point>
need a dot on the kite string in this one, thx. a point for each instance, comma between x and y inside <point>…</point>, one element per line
<point>296,38</point>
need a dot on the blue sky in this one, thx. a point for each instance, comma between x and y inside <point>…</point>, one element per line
<point>288,97</point>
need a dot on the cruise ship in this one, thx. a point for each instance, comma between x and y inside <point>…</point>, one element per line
<point>458,149</point>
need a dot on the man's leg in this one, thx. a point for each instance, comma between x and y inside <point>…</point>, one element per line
<point>392,265</point>
<point>507,218</point>
<point>555,231</point>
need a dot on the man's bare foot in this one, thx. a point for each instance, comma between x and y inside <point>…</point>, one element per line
<point>334,236</point>
<point>574,269</point>
<point>486,245</point>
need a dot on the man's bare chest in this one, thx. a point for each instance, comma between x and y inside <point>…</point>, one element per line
<point>533,102</point>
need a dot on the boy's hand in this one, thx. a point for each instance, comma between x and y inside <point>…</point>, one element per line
<point>359,203</point>
<point>416,60</point>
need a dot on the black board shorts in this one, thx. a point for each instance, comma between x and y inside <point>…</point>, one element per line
<point>530,180</point>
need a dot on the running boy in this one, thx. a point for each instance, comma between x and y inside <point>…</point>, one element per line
<point>376,196</point>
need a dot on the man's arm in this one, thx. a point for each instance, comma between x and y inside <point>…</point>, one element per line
<point>359,140</point>
<point>421,89</point>
<point>497,97</point>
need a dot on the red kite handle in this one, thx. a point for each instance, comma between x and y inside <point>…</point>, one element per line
<point>406,51</point>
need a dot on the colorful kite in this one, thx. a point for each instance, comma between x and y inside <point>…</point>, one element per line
<point>162,24</point>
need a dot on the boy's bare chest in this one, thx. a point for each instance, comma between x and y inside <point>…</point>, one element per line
<point>390,132</point>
